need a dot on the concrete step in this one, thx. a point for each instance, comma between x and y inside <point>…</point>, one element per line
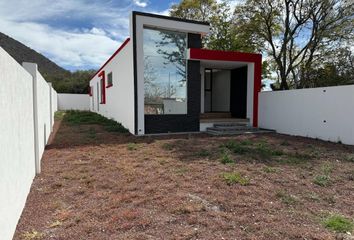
<point>231,128</point>
<point>231,124</point>
<point>238,132</point>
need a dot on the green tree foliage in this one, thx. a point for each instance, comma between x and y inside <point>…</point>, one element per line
<point>71,82</point>
<point>223,33</point>
<point>298,35</point>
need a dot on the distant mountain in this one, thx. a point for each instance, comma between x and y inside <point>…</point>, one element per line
<point>22,53</point>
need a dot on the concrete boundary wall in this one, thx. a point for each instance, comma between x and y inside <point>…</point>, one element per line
<point>68,101</point>
<point>323,113</point>
<point>27,107</point>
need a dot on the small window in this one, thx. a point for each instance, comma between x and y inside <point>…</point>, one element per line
<point>109,80</point>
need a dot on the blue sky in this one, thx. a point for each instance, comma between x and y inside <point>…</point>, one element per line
<point>76,34</point>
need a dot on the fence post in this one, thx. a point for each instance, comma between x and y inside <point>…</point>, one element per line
<point>33,69</point>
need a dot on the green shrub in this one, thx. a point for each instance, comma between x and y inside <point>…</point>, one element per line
<point>226,158</point>
<point>322,180</point>
<point>338,223</point>
<point>235,177</point>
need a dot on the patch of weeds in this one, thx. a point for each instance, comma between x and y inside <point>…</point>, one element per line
<point>226,158</point>
<point>327,168</point>
<point>32,235</point>
<point>286,198</point>
<point>322,180</point>
<point>236,147</point>
<point>246,142</point>
<point>235,177</point>
<point>85,117</point>
<point>55,224</point>
<point>296,158</point>
<point>338,223</point>
<point>168,146</point>
<point>132,146</point>
<point>203,153</point>
<point>162,161</point>
<point>265,151</point>
<point>270,169</point>
<point>350,158</point>
<point>59,115</point>
<point>181,170</point>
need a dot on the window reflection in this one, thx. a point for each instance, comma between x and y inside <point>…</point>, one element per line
<point>165,72</point>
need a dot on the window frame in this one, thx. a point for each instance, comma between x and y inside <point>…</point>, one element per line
<point>109,83</point>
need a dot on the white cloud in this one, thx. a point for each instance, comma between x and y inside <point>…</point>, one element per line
<point>89,47</point>
<point>140,3</point>
<point>71,47</point>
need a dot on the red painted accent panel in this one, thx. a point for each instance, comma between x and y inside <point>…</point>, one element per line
<point>114,54</point>
<point>216,55</point>
<point>207,54</point>
<point>90,91</point>
<point>102,75</point>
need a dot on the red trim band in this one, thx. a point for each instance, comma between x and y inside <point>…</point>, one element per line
<point>114,54</point>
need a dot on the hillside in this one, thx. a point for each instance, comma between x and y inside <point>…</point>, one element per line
<point>63,81</point>
<point>22,53</point>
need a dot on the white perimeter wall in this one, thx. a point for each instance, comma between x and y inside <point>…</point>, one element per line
<point>120,97</point>
<point>17,140</point>
<point>324,113</point>
<point>67,101</point>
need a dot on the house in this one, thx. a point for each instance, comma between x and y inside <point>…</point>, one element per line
<point>161,80</point>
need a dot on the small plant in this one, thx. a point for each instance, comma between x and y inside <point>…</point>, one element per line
<point>131,146</point>
<point>350,158</point>
<point>203,153</point>
<point>235,177</point>
<point>270,169</point>
<point>32,235</point>
<point>322,180</point>
<point>338,223</point>
<point>286,198</point>
<point>327,168</point>
<point>236,147</point>
<point>225,158</point>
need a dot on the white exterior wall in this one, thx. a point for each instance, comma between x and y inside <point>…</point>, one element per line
<point>221,91</point>
<point>17,141</point>
<point>324,113</point>
<point>68,101</point>
<point>120,97</point>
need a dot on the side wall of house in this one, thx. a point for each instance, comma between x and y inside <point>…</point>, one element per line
<point>67,101</point>
<point>324,113</point>
<point>19,92</point>
<point>120,96</point>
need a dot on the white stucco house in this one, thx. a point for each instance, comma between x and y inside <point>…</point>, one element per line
<point>161,80</point>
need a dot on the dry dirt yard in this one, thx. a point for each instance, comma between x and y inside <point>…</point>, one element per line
<point>97,183</point>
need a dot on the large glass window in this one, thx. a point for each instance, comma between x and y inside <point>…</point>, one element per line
<point>165,82</point>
